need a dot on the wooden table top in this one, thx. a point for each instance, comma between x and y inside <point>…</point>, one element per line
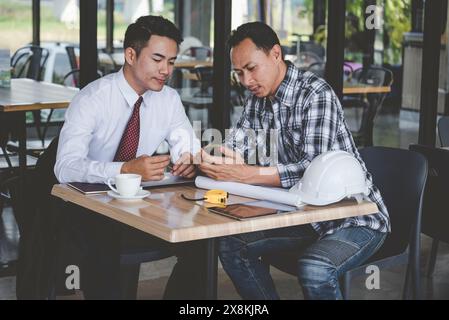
<point>166,215</point>
<point>29,95</point>
<point>353,89</point>
<point>190,64</point>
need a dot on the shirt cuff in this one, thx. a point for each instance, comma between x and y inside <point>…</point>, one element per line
<point>176,153</point>
<point>112,169</point>
<point>288,174</point>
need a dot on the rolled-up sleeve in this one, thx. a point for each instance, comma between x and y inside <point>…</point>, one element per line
<point>318,132</point>
<point>181,136</point>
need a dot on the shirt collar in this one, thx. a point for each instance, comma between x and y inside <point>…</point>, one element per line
<point>128,92</point>
<point>285,94</point>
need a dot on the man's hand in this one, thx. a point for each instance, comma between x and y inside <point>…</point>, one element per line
<point>184,167</point>
<point>229,172</point>
<point>230,157</point>
<point>150,168</point>
<point>233,168</point>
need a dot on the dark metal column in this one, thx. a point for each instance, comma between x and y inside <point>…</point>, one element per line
<point>417,15</point>
<point>88,41</point>
<point>335,45</point>
<point>370,36</point>
<point>262,11</point>
<point>220,111</point>
<point>179,15</point>
<point>433,20</point>
<point>211,269</point>
<point>319,14</point>
<point>36,12</point>
<point>110,26</point>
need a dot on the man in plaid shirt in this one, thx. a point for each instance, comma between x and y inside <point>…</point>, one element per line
<point>290,118</point>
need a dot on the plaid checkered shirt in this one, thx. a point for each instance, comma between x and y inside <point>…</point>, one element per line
<point>301,121</point>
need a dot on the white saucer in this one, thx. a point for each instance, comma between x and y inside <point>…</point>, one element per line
<point>140,195</point>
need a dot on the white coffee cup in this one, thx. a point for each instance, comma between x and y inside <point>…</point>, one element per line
<point>127,185</point>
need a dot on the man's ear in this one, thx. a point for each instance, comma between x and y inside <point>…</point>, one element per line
<point>130,56</point>
<point>276,51</point>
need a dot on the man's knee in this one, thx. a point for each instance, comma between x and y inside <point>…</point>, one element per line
<point>316,271</point>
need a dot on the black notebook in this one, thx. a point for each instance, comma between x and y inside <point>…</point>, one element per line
<point>94,188</point>
<point>89,188</point>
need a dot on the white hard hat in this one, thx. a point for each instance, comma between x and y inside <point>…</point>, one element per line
<point>331,177</point>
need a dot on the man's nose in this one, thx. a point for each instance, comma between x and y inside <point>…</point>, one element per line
<point>164,69</point>
<point>246,80</point>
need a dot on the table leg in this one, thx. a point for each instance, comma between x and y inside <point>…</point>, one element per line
<point>22,137</point>
<point>211,269</point>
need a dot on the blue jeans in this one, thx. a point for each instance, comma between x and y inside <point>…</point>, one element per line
<point>321,261</point>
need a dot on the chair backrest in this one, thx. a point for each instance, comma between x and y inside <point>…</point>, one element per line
<point>72,78</point>
<point>443,131</point>
<point>238,88</point>
<point>306,59</point>
<point>400,176</point>
<point>347,71</point>
<point>205,75</point>
<point>200,53</point>
<point>373,76</point>
<point>74,63</point>
<point>8,129</point>
<point>29,62</point>
<point>435,221</point>
<point>314,48</point>
<point>377,77</point>
<point>318,68</point>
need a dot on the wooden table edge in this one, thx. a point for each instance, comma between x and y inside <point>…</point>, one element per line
<point>210,231</point>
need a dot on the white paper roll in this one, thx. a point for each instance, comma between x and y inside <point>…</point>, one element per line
<point>250,191</point>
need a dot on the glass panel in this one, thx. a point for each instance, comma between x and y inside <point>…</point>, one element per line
<point>15,24</point>
<point>244,11</point>
<point>59,21</point>
<point>396,53</point>
<point>193,73</point>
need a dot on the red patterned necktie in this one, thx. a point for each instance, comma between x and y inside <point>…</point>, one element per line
<point>130,140</point>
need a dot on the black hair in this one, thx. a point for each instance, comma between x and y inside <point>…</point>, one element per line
<point>260,33</point>
<point>138,33</point>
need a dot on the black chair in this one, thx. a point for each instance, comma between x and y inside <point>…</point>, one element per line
<point>318,68</point>
<point>205,76</point>
<point>38,219</point>
<point>29,62</point>
<point>238,90</point>
<point>400,175</point>
<point>443,131</point>
<point>306,59</point>
<point>72,57</point>
<point>199,53</point>
<point>370,103</point>
<point>9,161</point>
<point>435,222</point>
<point>71,79</point>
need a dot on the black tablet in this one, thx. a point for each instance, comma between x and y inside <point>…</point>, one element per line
<point>244,211</point>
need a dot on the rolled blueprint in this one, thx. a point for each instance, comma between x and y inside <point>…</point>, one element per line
<point>250,191</point>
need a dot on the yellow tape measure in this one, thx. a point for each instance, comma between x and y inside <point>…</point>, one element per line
<point>218,197</point>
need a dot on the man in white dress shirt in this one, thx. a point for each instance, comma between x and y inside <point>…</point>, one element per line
<point>114,125</point>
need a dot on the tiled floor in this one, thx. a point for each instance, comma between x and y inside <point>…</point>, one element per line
<point>389,131</point>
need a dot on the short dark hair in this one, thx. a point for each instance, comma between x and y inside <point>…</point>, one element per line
<point>138,33</point>
<point>260,33</point>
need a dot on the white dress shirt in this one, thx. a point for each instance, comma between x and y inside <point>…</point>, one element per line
<point>95,122</point>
